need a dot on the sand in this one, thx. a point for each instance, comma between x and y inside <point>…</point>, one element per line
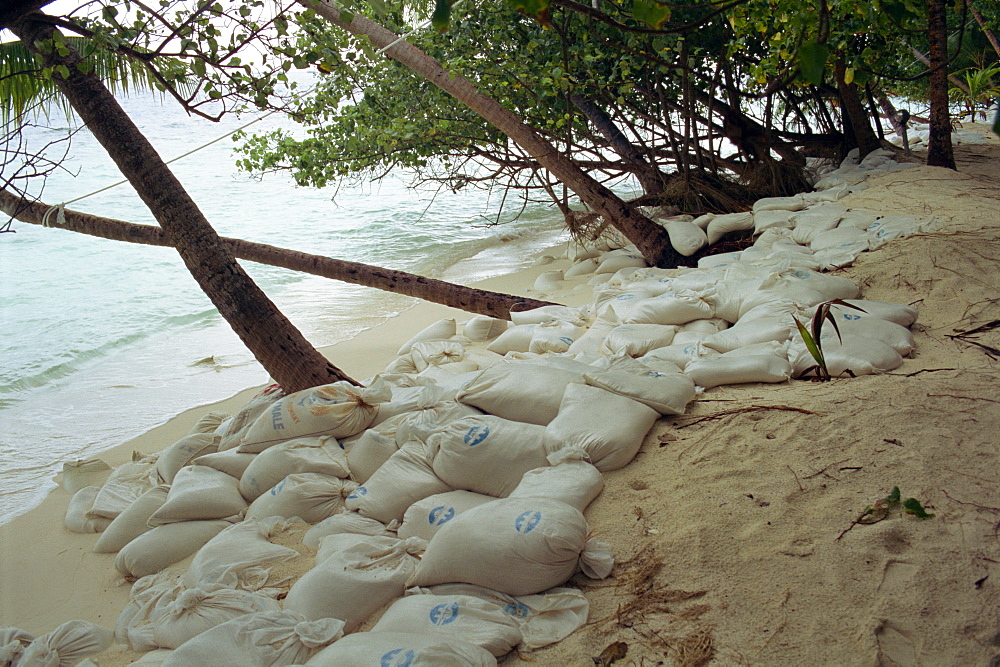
<point>735,528</point>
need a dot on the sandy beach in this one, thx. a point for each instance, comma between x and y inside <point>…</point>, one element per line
<point>735,528</point>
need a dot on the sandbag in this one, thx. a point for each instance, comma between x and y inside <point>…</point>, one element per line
<point>200,493</point>
<point>667,393</point>
<point>401,648</point>
<point>686,237</point>
<point>764,220</point>
<point>555,337</point>
<point>231,462</point>
<point>482,328</point>
<point>793,203</point>
<point>894,312</point>
<point>519,391</point>
<point>84,472</point>
<point>463,617</point>
<point>612,263</point>
<point>515,339</point>
<point>517,546</point>
<point>197,610</point>
<point>766,322</point>
<point>680,354</point>
<point>402,480</point>
<point>165,545</point>
<point>182,452</point>
<point>13,641</point>
<point>436,353</point>
<point>668,308</point>
<point>721,225</point>
<point>815,221</point>
<point>76,519</point>
<point>67,645</point>
<point>548,281</point>
<point>733,368</point>
<point>340,409</point>
<point>353,583</point>
<point>859,354</point>
<point>486,454</point>
<point>440,330</point>
<point>148,597</point>
<point>636,340</point>
<point>322,455</point>
<point>583,267</point>
<point>264,639</point>
<point>570,479</point>
<point>311,496</point>
<point>238,425</point>
<point>609,427</point>
<point>240,556</point>
<point>133,522</point>
<point>346,522</point>
<point>425,517</point>
<point>126,483</point>
<point>855,323</point>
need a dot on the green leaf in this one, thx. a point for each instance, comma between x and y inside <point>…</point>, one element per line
<point>812,61</point>
<point>913,506</point>
<point>650,12</point>
<point>198,66</point>
<point>811,345</point>
<point>536,9</point>
<point>441,18</point>
<point>894,496</point>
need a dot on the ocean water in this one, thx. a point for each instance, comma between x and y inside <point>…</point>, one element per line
<point>102,340</point>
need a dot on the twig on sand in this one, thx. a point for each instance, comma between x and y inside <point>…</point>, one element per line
<point>966,337</point>
<point>751,408</point>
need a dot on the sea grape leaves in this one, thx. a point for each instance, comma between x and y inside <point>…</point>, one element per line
<point>650,12</point>
<point>812,61</point>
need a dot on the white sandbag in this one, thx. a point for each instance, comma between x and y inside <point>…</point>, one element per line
<point>346,522</point>
<point>264,639</point>
<point>401,648</point>
<point>901,314</point>
<point>548,281</point>
<point>724,224</point>
<point>483,358</point>
<point>832,287</point>
<point>684,338</point>
<point>238,425</point>
<point>84,472</point>
<point>857,220</point>
<point>850,321</point>
<point>402,480</point>
<point>13,641</point>
<point>241,555</point>
<point>614,263</point>
<point>667,393</point>
<point>371,449</point>
<point>482,328</point>
<point>576,252</point>
<point>584,267</point>
<point>686,237</point>
<point>355,582</point>
<point>131,523</point>
<point>517,546</point>
<point>425,517</point>
<point>680,355</point>
<point>738,369</point>
<point>706,326</point>
<point>766,322</point>
<point>148,597</point>
<point>197,610</point>
<point>322,455</point>
<point>402,364</point>
<point>126,483</point>
<point>858,354</point>
<point>720,260</point>
<point>891,227</point>
<point>310,496</point>
<point>76,519</point>
<point>519,391</point>
<point>440,330</point>
<point>842,237</point>
<point>182,452</point>
<point>815,221</point>
<point>165,545</point>
<point>636,340</point>
<point>546,314</point>
<point>486,454</point>
<point>764,220</point>
<point>634,366</point>
<point>436,353</point>
<point>669,308</point>
<point>544,619</point>
<point>231,462</point>
<point>779,204</point>
<point>588,346</point>
<point>608,426</point>
<point>450,383</point>
<point>555,337</point>
<point>463,617</point>
<point>200,493</point>
<point>570,479</point>
<point>68,644</point>
<point>210,422</point>
<point>339,409</point>
<point>515,339</point>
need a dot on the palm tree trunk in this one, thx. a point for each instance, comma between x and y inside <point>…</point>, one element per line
<point>651,240</point>
<point>990,35</point>
<point>939,148</point>
<point>469,299</point>
<point>281,348</point>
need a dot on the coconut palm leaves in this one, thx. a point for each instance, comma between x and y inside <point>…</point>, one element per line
<point>813,338</point>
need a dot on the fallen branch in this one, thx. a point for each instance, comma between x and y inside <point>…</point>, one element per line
<point>752,408</point>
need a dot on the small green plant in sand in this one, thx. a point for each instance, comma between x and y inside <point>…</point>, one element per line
<point>880,509</point>
<point>813,338</point>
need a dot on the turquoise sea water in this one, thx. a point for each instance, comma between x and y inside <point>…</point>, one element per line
<point>100,340</point>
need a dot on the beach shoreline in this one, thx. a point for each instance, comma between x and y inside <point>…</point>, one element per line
<point>737,517</point>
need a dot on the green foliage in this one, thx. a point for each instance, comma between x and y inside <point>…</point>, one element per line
<point>984,88</point>
<point>654,14</point>
<point>813,338</point>
<point>882,508</point>
<point>812,61</point>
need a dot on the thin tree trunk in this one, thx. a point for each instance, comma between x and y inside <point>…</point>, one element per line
<point>939,148</point>
<point>651,240</point>
<point>482,302</point>
<point>958,83</point>
<point>990,35</point>
<point>855,113</point>
<point>281,348</point>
